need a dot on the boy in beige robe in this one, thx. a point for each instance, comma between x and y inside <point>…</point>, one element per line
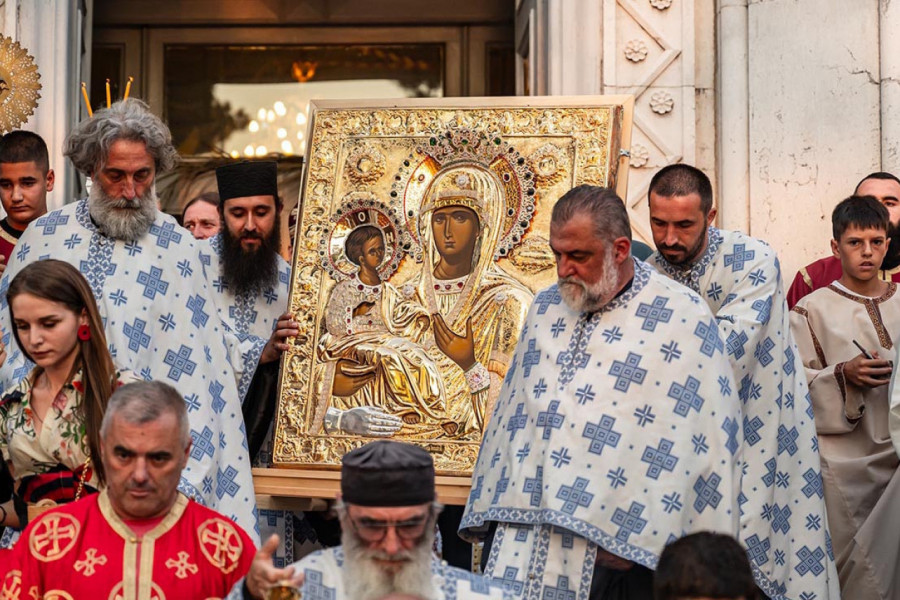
<point>849,390</point>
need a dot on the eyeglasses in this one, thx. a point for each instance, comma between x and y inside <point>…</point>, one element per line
<point>373,530</point>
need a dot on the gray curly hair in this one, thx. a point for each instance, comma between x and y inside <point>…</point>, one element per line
<point>88,144</point>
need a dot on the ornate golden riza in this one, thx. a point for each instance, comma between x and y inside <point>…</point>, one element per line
<point>374,163</point>
<point>19,85</point>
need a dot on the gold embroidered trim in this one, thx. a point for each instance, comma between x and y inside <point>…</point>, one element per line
<point>7,237</point>
<point>806,278</point>
<point>871,304</point>
<point>147,543</point>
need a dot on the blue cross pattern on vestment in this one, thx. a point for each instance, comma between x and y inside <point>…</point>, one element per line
<point>165,234</point>
<point>535,486</point>
<point>763,352</point>
<point>601,434</point>
<point>477,489</point>
<point>757,277</point>
<point>558,327</point>
<point>751,430</point>
<point>686,396</point>
<point>315,589</point>
<point>787,440</point>
<point>710,341</point>
<point>575,495</point>
<point>550,419</point>
<point>180,362</point>
<point>730,427</point>
<point>509,581</point>
<point>763,309</point>
<point>546,298</point>
<point>735,343</point>
<point>539,388</point>
<point>780,517</point>
<point>758,550</point>
<point>133,248</point>
<point>137,338</point>
<point>531,358</point>
<point>72,241</point>
<point>502,486</point>
<point>629,522</point>
<point>517,421</point>
<point>195,305</point>
<point>202,444</point>
<point>270,295</point>
<point>153,283</point>
<point>714,292</point>
<point>225,483</point>
<point>810,560</point>
<point>707,492</point>
<point>769,477</point>
<point>218,402</point>
<point>628,372</point>
<point>50,222</point>
<point>654,313</point>
<point>739,257</point>
<point>660,458</point>
<point>560,592</point>
<point>813,483</point>
<point>788,364</point>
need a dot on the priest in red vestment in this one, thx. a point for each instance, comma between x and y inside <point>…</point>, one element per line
<point>140,537</point>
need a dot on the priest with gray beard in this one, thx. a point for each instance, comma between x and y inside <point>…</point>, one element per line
<point>148,278</point>
<point>387,511</point>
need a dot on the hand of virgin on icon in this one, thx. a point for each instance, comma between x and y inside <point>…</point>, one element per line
<point>459,349</point>
<point>370,421</point>
<point>349,378</point>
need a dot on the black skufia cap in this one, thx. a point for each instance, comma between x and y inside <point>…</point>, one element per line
<point>387,473</point>
<point>244,179</point>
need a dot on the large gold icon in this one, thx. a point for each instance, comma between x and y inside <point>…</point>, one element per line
<point>422,238</point>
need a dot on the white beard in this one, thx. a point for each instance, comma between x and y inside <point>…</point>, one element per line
<point>123,219</point>
<point>591,297</point>
<point>366,580</point>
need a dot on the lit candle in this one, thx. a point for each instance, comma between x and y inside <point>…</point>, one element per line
<point>87,101</point>
<point>128,88</point>
<point>108,95</point>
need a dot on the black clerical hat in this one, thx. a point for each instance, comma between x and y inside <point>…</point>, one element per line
<point>386,473</point>
<point>243,179</point>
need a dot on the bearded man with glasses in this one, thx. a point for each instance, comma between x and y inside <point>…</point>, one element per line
<point>388,512</point>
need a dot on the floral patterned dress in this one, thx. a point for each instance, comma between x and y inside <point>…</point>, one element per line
<point>61,443</point>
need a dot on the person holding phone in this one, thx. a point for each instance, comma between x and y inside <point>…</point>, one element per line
<point>844,332</point>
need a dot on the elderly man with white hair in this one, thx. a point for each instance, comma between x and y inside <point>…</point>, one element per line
<point>387,514</point>
<point>148,278</point>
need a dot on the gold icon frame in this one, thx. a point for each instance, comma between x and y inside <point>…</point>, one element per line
<point>562,141</point>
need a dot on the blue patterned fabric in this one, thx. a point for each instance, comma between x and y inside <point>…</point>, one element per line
<point>324,576</point>
<point>617,437</point>
<point>142,294</point>
<point>251,316</point>
<point>740,279</point>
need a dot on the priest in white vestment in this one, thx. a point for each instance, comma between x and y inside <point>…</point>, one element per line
<point>147,276</point>
<point>388,515</point>
<point>783,524</point>
<point>618,426</point>
<point>850,399</point>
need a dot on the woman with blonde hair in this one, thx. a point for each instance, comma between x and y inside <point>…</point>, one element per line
<point>50,421</point>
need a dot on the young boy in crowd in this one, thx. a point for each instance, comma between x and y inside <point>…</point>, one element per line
<point>845,333</point>
<point>25,179</point>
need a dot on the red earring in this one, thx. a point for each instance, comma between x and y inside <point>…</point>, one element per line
<point>84,333</point>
